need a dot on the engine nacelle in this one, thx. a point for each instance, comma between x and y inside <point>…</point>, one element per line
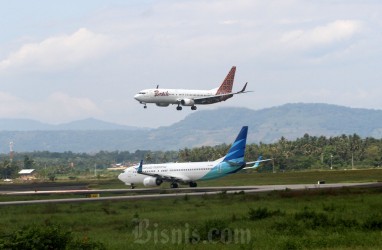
<point>152,181</point>
<point>162,104</point>
<point>187,102</point>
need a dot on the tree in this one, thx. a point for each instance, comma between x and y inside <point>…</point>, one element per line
<point>9,169</point>
<point>28,163</point>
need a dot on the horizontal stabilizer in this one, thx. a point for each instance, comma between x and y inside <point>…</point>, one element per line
<point>255,164</point>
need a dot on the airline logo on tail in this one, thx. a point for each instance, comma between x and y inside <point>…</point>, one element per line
<point>227,84</point>
<point>237,150</point>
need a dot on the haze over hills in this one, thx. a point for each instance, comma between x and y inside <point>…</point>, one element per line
<point>210,127</point>
<point>85,124</point>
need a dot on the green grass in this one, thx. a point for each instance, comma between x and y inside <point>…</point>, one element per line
<point>347,218</point>
<point>304,177</point>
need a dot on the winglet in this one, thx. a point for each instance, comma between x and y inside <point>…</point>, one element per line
<point>140,167</point>
<point>257,163</point>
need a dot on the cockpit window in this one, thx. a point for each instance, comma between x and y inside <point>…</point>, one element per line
<point>142,93</point>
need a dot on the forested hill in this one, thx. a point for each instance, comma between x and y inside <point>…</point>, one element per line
<point>210,127</point>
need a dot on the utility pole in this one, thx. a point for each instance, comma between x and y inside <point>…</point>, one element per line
<point>11,151</point>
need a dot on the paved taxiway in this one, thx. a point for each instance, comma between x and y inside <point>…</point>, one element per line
<point>155,193</point>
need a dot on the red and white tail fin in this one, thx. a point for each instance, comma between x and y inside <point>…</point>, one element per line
<point>226,86</point>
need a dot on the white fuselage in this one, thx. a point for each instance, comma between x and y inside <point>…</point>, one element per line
<point>187,172</point>
<point>164,97</point>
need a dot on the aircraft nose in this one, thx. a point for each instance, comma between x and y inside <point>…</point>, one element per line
<point>137,97</point>
<point>120,177</point>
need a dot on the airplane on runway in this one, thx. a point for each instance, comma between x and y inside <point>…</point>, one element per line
<point>186,97</point>
<point>190,172</point>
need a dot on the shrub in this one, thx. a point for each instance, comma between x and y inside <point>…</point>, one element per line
<point>85,244</point>
<point>373,223</point>
<point>313,219</point>
<point>45,237</point>
<point>288,227</point>
<point>262,213</point>
<point>37,237</point>
<point>212,230</point>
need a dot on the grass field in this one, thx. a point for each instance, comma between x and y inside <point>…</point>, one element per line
<point>346,218</point>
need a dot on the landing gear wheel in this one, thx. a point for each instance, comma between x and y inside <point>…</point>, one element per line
<point>174,185</point>
<point>132,186</point>
<point>145,107</point>
<point>193,108</point>
<point>193,184</point>
<point>179,108</point>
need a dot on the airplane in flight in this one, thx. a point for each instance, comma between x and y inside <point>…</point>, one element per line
<point>189,172</point>
<point>186,97</point>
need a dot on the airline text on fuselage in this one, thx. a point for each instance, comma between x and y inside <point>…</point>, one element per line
<point>157,93</point>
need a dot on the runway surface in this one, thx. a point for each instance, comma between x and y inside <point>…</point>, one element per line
<point>157,193</point>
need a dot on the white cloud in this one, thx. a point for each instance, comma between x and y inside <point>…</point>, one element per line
<point>58,107</point>
<point>10,105</point>
<point>326,35</point>
<point>62,105</point>
<point>58,52</point>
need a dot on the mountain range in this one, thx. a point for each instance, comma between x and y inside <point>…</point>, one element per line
<point>210,127</point>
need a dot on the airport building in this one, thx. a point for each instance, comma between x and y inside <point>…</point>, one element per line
<point>27,174</point>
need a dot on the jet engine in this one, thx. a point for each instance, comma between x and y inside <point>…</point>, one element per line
<point>187,102</point>
<point>162,104</point>
<point>152,181</point>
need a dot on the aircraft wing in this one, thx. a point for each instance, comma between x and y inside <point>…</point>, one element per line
<point>169,178</point>
<point>218,98</point>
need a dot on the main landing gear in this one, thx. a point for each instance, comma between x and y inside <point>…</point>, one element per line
<point>193,184</point>
<point>174,185</point>
<point>180,107</point>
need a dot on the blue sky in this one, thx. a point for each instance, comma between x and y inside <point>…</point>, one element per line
<point>77,59</point>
